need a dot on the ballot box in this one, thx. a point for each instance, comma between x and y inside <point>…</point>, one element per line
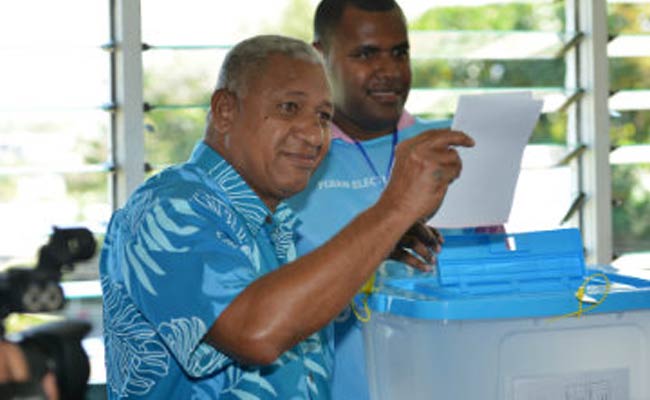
<point>510,317</point>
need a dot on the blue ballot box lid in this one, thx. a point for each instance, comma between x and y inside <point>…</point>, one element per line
<point>532,261</point>
<point>522,275</point>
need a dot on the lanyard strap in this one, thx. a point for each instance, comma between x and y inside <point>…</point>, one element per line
<point>371,164</point>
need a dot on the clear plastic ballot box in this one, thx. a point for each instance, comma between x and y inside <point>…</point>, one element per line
<point>510,317</point>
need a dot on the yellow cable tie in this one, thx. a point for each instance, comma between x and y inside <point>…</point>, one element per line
<point>366,309</point>
<point>369,286</point>
<point>582,297</point>
<point>366,290</point>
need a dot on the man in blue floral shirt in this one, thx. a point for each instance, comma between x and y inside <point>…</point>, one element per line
<point>203,294</point>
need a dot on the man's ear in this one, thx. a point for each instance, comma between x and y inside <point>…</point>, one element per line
<point>223,107</point>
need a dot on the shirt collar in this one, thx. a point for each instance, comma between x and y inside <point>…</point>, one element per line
<point>405,121</point>
<point>239,193</point>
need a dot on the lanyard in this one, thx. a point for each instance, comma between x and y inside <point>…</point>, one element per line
<point>371,164</point>
<point>368,287</point>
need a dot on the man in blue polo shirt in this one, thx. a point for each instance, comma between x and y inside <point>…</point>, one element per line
<point>203,294</point>
<point>366,50</point>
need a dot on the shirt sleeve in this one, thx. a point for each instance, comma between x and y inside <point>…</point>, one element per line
<point>185,264</point>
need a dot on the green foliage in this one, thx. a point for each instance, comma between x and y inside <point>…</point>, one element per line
<point>629,73</point>
<point>296,21</point>
<point>88,189</point>
<point>90,186</point>
<point>487,73</point>
<point>505,17</point>
<point>172,134</point>
<point>178,89</point>
<point>94,150</point>
<point>628,18</point>
<point>630,217</point>
<point>551,129</point>
<point>631,127</point>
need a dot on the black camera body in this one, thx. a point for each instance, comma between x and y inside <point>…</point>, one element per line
<point>53,347</point>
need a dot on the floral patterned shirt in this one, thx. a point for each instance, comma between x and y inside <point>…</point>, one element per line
<point>185,245</point>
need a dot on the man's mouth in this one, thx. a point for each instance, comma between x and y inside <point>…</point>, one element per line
<point>302,160</point>
<point>385,95</point>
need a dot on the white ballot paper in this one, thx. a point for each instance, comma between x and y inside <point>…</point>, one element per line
<point>501,125</point>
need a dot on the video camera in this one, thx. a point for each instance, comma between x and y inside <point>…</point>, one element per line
<point>54,347</point>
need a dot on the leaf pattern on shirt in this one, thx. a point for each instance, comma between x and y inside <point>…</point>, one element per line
<point>183,206</point>
<point>183,336</point>
<point>223,238</point>
<point>221,210</point>
<point>252,252</point>
<point>239,193</point>
<point>286,357</point>
<point>238,380</point>
<point>312,386</point>
<point>313,347</point>
<point>314,367</point>
<point>208,389</point>
<point>157,233</point>
<point>168,224</point>
<point>283,236</point>
<point>136,209</point>
<point>137,359</point>
<point>245,243</point>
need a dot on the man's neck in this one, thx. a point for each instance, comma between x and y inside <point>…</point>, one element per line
<point>358,132</point>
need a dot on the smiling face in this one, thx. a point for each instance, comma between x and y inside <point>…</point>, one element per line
<point>278,131</point>
<point>367,57</point>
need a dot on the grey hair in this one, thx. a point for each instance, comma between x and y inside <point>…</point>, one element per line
<point>249,58</point>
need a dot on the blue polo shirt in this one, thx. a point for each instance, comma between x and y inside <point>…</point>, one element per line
<point>344,185</point>
<point>186,244</point>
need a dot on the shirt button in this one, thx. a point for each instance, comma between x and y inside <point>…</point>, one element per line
<point>268,219</point>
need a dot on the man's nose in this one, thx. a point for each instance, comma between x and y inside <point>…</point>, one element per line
<point>313,131</point>
<point>387,65</point>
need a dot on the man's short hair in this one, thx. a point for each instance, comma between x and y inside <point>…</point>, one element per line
<point>329,13</point>
<point>249,57</point>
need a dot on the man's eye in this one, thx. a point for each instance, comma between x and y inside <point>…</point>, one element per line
<point>401,53</point>
<point>288,108</point>
<point>364,54</point>
<point>325,118</point>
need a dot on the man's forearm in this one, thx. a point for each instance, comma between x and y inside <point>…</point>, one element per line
<point>289,304</point>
